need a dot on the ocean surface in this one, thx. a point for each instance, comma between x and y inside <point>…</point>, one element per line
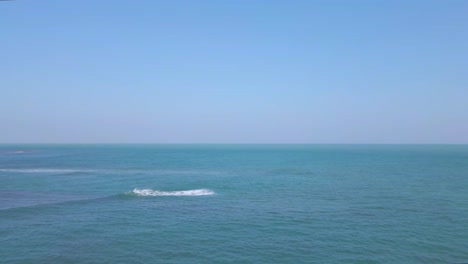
<point>233,204</point>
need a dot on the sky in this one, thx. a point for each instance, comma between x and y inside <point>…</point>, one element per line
<point>244,71</point>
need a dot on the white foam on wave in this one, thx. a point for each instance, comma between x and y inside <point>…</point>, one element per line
<point>150,192</point>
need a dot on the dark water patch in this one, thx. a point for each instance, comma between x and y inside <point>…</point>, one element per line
<point>293,171</point>
<point>27,201</point>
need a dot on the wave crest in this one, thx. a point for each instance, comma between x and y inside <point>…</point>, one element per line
<point>150,192</point>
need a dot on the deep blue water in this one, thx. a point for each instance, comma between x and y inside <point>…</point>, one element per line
<point>233,203</point>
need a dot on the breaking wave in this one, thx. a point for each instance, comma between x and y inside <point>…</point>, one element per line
<point>150,192</point>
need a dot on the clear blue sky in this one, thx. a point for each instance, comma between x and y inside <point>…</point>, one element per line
<point>233,71</point>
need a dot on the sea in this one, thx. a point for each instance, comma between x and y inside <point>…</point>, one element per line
<point>233,203</point>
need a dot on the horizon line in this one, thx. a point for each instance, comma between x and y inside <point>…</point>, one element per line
<point>155,143</point>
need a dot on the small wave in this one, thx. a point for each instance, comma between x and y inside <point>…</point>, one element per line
<point>150,192</point>
<point>43,170</point>
<point>103,170</point>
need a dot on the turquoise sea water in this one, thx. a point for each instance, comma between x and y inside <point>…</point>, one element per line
<point>233,204</point>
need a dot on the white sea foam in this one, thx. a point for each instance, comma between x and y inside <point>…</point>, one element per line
<point>150,192</point>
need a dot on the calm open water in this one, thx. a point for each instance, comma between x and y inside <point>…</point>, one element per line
<point>233,203</point>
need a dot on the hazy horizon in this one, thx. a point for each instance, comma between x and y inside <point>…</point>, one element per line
<point>244,72</point>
